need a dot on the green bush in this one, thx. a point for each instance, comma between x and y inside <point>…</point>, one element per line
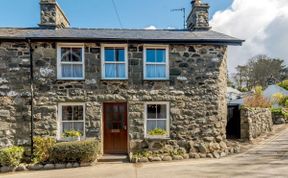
<point>11,156</point>
<point>280,111</point>
<point>42,147</point>
<point>77,151</point>
<point>284,84</point>
<point>72,133</point>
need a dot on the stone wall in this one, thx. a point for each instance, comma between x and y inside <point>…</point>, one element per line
<point>254,122</point>
<point>14,94</point>
<point>196,92</point>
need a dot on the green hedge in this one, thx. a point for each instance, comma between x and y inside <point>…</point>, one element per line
<point>11,156</point>
<point>42,149</point>
<point>77,151</point>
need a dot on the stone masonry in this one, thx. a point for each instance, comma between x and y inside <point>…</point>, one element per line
<point>255,122</point>
<point>195,90</point>
<point>197,102</point>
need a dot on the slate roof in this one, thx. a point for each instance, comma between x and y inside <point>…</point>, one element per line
<point>116,35</point>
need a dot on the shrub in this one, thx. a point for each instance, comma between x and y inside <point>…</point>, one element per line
<point>42,147</point>
<point>157,131</point>
<point>284,84</point>
<point>280,99</point>
<point>11,156</point>
<point>77,151</point>
<point>257,100</point>
<point>280,111</point>
<point>72,133</point>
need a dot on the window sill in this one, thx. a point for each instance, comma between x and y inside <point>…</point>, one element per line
<point>70,79</point>
<point>107,79</point>
<point>157,138</point>
<point>157,79</point>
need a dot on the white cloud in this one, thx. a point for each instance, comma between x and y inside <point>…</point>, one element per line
<point>262,23</point>
<point>151,27</point>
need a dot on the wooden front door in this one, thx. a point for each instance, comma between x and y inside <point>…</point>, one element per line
<point>115,128</point>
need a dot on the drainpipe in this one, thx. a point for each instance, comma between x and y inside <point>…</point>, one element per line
<point>32,96</point>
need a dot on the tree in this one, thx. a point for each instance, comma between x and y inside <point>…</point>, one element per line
<point>260,70</point>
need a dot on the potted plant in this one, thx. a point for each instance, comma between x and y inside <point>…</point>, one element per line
<point>157,133</point>
<point>72,135</point>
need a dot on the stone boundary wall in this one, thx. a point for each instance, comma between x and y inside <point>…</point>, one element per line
<point>255,122</point>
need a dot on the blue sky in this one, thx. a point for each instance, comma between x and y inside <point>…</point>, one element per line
<point>101,14</point>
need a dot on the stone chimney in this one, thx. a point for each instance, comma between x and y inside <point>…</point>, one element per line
<point>52,16</point>
<point>198,18</point>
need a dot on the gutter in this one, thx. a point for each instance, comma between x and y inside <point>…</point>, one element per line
<point>232,42</point>
<point>32,96</point>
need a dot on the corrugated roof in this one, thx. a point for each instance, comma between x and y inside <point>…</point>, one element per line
<point>165,36</point>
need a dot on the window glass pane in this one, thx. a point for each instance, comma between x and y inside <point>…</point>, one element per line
<point>160,71</point>
<point>150,55</point>
<point>67,126</point>
<point>161,111</point>
<point>161,124</point>
<point>110,70</point>
<point>78,126</point>
<point>65,54</point>
<point>78,113</point>
<point>67,112</point>
<point>76,55</point>
<point>66,70</point>
<point>150,71</point>
<point>122,108</point>
<point>120,70</point>
<point>109,54</point>
<point>151,111</point>
<point>120,54</point>
<point>151,125</point>
<point>72,70</point>
<point>161,55</point>
<point>77,70</point>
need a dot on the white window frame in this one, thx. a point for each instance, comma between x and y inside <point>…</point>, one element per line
<point>103,62</point>
<point>167,120</point>
<point>59,62</point>
<point>60,121</point>
<point>166,47</point>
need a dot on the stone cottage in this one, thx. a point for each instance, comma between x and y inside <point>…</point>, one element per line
<point>131,89</point>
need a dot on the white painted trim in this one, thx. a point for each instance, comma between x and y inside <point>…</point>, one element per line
<point>69,45</point>
<point>59,117</point>
<point>103,46</point>
<point>167,119</point>
<point>166,47</point>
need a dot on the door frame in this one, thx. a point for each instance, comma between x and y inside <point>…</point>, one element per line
<point>103,125</point>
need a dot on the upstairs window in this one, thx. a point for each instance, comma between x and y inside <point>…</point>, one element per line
<point>156,63</point>
<point>70,62</point>
<point>114,62</point>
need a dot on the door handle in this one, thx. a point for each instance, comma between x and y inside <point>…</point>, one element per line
<point>125,127</point>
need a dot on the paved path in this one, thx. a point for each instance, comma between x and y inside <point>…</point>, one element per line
<point>269,159</point>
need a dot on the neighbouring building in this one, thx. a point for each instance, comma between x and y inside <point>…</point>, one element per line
<point>132,89</point>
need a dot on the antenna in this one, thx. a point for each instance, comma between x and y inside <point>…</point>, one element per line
<point>184,14</point>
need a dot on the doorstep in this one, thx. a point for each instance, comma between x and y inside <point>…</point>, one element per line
<point>114,158</point>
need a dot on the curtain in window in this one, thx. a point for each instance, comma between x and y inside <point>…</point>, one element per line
<point>110,71</point>
<point>77,71</point>
<point>72,70</point>
<point>115,70</point>
<point>66,70</point>
<point>155,71</point>
<point>121,70</point>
